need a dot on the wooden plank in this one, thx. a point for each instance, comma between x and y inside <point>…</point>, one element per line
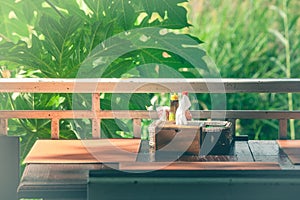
<point>269,151</point>
<point>295,158</point>
<point>46,114</point>
<point>233,126</point>
<point>283,134</point>
<point>3,126</point>
<point>242,151</point>
<point>95,102</point>
<point>202,114</point>
<point>146,154</point>
<point>285,163</point>
<point>246,114</point>
<point>76,114</point>
<point>198,166</point>
<point>264,147</point>
<point>55,128</point>
<point>288,144</point>
<point>96,128</point>
<point>57,181</point>
<point>208,158</point>
<point>292,149</point>
<point>96,122</point>
<point>264,151</point>
<point>137,128</point>
<point>143,114</point>
<point>207,85</point>
<point>83,151</point>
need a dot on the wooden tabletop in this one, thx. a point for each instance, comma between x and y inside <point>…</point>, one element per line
<point>69,179</point>
<point>83,151</point>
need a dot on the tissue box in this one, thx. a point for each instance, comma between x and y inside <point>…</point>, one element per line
<point>214,136</point>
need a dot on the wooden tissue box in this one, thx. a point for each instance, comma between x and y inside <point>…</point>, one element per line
<point>215,136</point>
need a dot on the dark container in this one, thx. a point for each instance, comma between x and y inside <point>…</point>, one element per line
<point>195,138</point>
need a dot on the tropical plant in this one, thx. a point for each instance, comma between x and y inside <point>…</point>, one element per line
<point>53,38</point>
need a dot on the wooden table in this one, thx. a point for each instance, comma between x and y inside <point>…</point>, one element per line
<point>69,180</point>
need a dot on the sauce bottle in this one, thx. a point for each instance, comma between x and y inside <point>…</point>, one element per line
<point>173,106</point>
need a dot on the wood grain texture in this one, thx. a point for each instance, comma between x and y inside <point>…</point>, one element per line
<point>55,128</point>
<point>55,181</point>
<point>142,114</point>
<point>242,151</point>
<point>3,126</point>
<point>71,179</point>
<point>199,166</point>
<point>138,85</point>
<point>83,151</point>
<point>264,151</point>
<point>292,149</point>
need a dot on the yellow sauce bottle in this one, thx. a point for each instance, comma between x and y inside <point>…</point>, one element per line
<point>173,106</point>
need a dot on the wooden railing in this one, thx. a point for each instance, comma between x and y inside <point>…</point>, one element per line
<point>97,86</point>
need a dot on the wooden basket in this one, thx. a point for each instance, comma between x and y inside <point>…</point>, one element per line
<point>187,139</point>
<point>216,138</point>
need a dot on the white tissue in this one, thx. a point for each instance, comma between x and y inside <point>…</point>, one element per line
<point>184,105</point>
<point>162,112</point>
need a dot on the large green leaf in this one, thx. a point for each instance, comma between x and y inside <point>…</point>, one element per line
<point>11,21</point>
<point>173,15</point>
<point>18,19</point>
<point>127,15</point>
<point>59,36</point>
<point>110,127</point>
<point>151,44</point>
<point>99,32</point>
<point>99,8</point>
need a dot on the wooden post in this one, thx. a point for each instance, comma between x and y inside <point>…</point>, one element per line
<point>137,128</point>
<point>96,123</point>
<point>3,126</point>
<point>282,135</point>
<point>55,128</point>
<point>233,126</point>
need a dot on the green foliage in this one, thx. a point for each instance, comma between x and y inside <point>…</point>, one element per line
<point>248,39</point>
<point>54,38</point>
<point>57,39</point>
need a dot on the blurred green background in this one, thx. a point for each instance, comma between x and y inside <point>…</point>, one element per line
<point>252,39</point>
